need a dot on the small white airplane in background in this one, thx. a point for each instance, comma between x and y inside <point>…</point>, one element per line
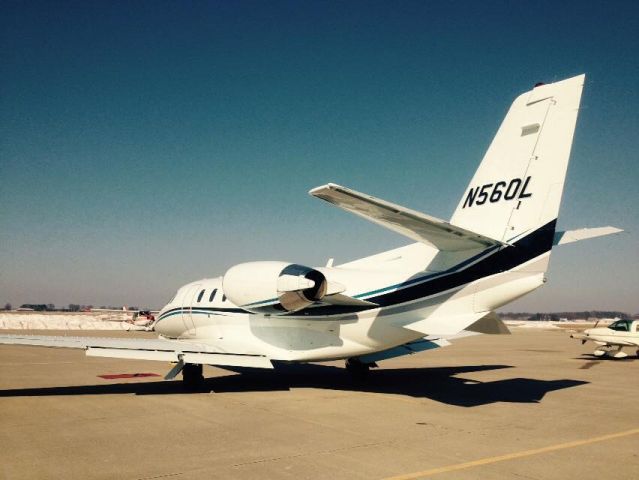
<point>495,249</point>
<point>613,338</point>
<point>139,318</point>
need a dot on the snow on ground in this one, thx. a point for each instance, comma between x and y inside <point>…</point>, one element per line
<point>118,321</point>
<point>553,325</point>
<point>65,321</point>
<point>531,324</point>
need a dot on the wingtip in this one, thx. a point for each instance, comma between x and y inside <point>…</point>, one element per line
<point>329,186</point>
<point>613,230</point>
<point>313,191</point>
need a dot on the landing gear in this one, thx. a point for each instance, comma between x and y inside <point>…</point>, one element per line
<point>612,351</point>
<point>192,377</point>
<point>358,369</point>
<point>618,354</point>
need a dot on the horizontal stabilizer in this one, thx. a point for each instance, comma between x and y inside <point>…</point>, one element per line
<point>415,225</point>
<point>570,236</point>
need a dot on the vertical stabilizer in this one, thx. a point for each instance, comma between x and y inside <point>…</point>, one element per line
<point>519,183</point>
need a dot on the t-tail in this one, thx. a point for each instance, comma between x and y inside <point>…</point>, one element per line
<point>517,188</point>
<point>510,208</point>
<point>515,194</point>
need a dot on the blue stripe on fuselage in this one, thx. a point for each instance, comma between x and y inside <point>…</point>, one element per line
<point>493,260</point>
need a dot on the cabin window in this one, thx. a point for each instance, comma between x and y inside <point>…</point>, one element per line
<point>223,298</point>
<point>620,326</point>
<point>212,296</point>
<point>199,297</point>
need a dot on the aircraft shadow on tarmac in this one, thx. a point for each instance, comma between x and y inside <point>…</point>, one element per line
<point>440,384</point>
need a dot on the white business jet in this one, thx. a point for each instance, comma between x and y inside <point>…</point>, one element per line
<point>495,249</point>
<point>613,338</point>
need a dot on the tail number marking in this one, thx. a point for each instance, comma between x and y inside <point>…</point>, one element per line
<point>494,192</point>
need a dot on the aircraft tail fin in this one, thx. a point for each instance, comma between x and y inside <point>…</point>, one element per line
<point>518,185</point>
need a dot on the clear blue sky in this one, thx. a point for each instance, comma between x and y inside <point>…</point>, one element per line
<point>147,144</point>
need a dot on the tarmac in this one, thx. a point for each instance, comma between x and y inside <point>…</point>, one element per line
<point>532,405</point>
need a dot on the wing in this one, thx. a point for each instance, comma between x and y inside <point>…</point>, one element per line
<point>415,225</point>
<point>143,349</point>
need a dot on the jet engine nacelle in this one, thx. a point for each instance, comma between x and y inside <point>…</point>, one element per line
<point>273,287</point>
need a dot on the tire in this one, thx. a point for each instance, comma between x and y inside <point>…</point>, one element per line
<point>192,377</point>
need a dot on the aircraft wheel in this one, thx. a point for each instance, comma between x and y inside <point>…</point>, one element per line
<point>192,377</point>
<point>357,369</point>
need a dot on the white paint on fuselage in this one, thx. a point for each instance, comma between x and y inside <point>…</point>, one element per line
<point>310,338</point>
<point>606,336</point>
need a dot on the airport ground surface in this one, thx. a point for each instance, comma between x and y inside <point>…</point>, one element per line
<point>532,405</point>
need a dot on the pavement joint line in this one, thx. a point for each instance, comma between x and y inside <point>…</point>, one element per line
<point>318,452</point>
<point>162,475</point>
<point>512,456</point>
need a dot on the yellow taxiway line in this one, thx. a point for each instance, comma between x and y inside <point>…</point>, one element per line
<point>511,456</point>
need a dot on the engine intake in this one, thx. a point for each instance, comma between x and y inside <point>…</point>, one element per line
<point>273,287</point>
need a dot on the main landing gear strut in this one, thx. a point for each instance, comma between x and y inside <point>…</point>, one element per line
<point>192,376</point>
<point>358,369</point>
